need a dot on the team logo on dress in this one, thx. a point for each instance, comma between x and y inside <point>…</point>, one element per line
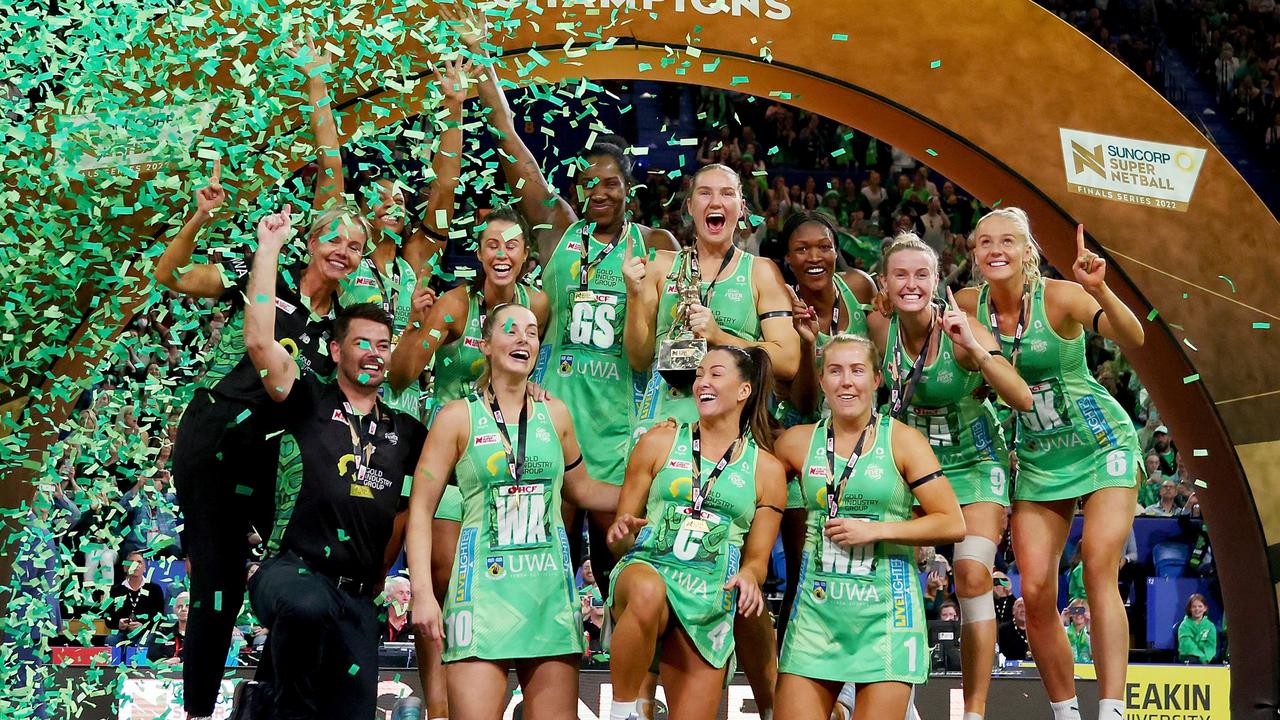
<point>365,280</point>
<point>900,579</point>
<point>1039,345</point>
<point>1038,325</point>
<point>737,480</point>
<point>817,471</point>
<point>945,376</point>
<point>875,472</point>
<point>495,565</point>
<point>820,591</point>
<point>679,464</point>
<point>486,439</point>
<point>566,364</point>
<point>471,342</point>
<point>542,434</point>
<point>734,295</point>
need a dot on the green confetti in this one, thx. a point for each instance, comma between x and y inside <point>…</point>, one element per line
<point>738,80</point>
<point>1200,483</point>
<point>342,535</point>
<point>244,490</point>
<point>839,37</point>
<point>353,670</point>
<point>935,64</point>
<point>217,601</point>
<point>1199,452</point>
<point>407,486</point>
<point>1229,282</point>
<point>1152,315</point>
<point>1190,379</point>
<point>506,326</point>
<point>1262,326</point>
<point>932,152</point>
<point>1188,344</point>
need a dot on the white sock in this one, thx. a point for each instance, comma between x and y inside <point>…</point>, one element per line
<point>972,716</point>
<point>1110,709</point>
<point>620,710</point>
<point>1066,709</point>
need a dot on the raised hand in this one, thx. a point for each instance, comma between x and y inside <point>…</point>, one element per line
<point>421,302</point>
<point>633,271</point>
<point>470,25</point>
<point>703,323</point>
<point>804,318</point>
<point>211,197</point>
<point>1089,269</point>
<point>274,229</point>
<point>453,77</point>
<point>955,323</point>
<point>309,56</point>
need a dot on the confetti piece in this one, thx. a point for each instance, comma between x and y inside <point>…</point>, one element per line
<point>1229,282</point>
<point>841,37</point>
<point>1200,483</point>
<point>1190,379</point>
<point>932,152</point>
<point>244,490</point>
<point>1188,344</point>
<point>342,535</point>
<point>935,64</point>
<point>407,486</point>
<point>506,326</point>
<point>1262,326</point>
<point>1199,452</point>
<point>1152,315</point>
<point>353,670</point>
<point>217,601</point>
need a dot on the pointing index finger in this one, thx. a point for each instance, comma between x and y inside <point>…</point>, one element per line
<point>217,171</point>
<point>951,299</point>
<point>1080,239</point>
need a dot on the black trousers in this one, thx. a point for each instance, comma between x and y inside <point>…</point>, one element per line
<point>224,473</point>
<point>322,642</point>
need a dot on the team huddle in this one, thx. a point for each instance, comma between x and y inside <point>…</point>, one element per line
<point>364,414</point>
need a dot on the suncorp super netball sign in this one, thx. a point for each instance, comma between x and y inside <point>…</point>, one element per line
<point>1138,172</point>
<point>767,9</point>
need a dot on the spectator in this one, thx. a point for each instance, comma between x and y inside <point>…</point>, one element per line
<point>949,611</point>
<point>1013,633</point>
<point>936,226</point>
<point>875,195</point>
<point>1197,635</point>
<point>1167,506</point>
<point>1163,446</point>
<point>166,647</point>
<point>136,606</point>
<point>1149,492</point>
<point>1003,592</point>
<point>937,591</point>
<point>1076,620</point>
<point>398,627</point>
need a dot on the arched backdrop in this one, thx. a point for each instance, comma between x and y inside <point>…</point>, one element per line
<point>979,90</point>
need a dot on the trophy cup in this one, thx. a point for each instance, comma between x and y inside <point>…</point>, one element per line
<point>679,353</point>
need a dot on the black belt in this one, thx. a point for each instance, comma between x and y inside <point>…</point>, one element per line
<point>348,585</point>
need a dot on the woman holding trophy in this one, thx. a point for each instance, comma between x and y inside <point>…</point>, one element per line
<point>709,293</point>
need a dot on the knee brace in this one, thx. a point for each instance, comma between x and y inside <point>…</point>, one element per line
<point>983,551</point>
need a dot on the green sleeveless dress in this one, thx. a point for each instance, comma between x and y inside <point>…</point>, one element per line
<point>457,366</point>
<point>696,557</point>
<point>582,360</point>
<point>859,614</point>
<point>732,303</point>
<point>1076,438</point>
<point>962,429</point>
<point>392,287</point>
<point>512,593</point>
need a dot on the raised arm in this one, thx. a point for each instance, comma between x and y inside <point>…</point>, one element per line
<point>446,167</point>
<point>439,456</point>
<point>642,278</point>
<point>174,269</point>
<point>427,331</point>
<point>977,349</point>
<point>780,338</point>
<point>538,201</point>
<point>275,366</point>
<point>330,183</point>
<point>1117,322</point>
<point>579,488</point>
<point>804,386</point>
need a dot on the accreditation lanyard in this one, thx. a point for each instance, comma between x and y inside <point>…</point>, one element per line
<point>835,310</point>
<point>835,489</point>
<point>1018,329</point>
<point>514,461</point>
<point>902,389</point>
<point>361,444</point>
<point>705,298</point>
<point>389,296</point>
<point>586,268</point>
<point>697,494</point>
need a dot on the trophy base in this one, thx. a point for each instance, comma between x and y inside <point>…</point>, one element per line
<point>678,361</point>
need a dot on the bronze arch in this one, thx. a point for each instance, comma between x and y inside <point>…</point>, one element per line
<point>1011,76</point>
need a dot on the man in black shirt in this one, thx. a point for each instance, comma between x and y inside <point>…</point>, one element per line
<point>1013,634</point>
<point>336,518</point>
<point>136,606</point>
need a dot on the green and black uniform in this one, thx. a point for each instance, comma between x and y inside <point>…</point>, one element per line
<point>315,592</point>
<point>512,593</point>
<point>858,615</point>
<point>1076,438</point>
<point>732,301</point>
<point>949,407</point>
<point>224,467</point>
<point>696,551</point>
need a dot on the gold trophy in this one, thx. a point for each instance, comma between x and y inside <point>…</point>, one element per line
<point>680,353</point>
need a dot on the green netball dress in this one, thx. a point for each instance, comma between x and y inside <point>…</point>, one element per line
<point>512,593</point>
<point>858,615</point>
<point>962,429</point>
<point>697,556</point>
<point>582,361</point>
<point>732,303</point>
<point>392,288</point>
<point>1076,438</point>
<point>459,363</point>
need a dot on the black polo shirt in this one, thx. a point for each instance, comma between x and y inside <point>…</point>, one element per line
<point>229,372</point>
<point>336,519</point>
